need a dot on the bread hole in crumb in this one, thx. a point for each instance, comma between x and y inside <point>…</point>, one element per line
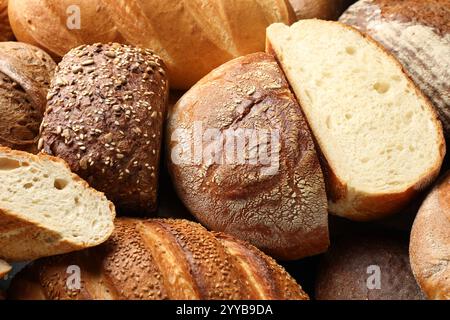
<point>9,164</point>
<point>328,122</point>
<point>396,78</point>
<point>35,179</point>
<point>27,185</point>
<point>46,175</point>
<point>348,116</point>
<point>381,87</point>
<point>77,200</point>
<point>350,50</point>
<point>60,184</point>
<point>364,160</point>
<point>412,149</point>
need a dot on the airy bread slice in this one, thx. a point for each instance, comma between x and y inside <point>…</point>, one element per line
<point>379,135</point>
<point>47,210</point>
<point>4,268</point>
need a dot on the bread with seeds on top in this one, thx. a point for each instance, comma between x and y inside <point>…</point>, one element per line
<point>104,117</point>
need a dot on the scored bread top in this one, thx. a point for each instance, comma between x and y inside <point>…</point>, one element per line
<point>379,135</point>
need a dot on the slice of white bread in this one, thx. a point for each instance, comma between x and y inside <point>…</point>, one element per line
<point>4,268</point>
<point>379,136</point>
<point>46,210</point>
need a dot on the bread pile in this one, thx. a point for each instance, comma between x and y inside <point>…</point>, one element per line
<point>258,148</point>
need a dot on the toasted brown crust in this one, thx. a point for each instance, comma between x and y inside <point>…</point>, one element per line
<point>25,73</point>
<point>366,207</point>
<point>22,240</point>
<point>159,259</point>
<point>104,116</point>
<point>352,265</point>
<point>5,29</point>
<point>397,25</point>
<point>430,242</point>
<point>283,214</point>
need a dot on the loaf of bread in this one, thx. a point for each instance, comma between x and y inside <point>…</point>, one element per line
<point>46,210</point>
<point>278,205</point>
<point>60,25</point>
<point>4,268</point>
<point>104,117</point>
<point>25,73</point>
<point>370,266</point>
<point>418,33</point>
<point>5,29</point>
<point>159,259</point>
<point>430,242</point>
<point>320,9</point>
<point>192,37</point>
<point>380,137</point>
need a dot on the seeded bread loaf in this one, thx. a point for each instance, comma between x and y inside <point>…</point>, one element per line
<point>104,117</point>
<point>418,33</point>
<point>25,73</point>
<point>370,266</point>
<point>380,137</point>
<point>45,209</point>
<point>5,29</point>
<point>160,259</point>
<point>4,268</point>
<point>278,205</point>
<point>430,242</point>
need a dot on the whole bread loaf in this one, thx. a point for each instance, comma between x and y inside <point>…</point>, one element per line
<point>370,266</point>
<point>430,242</point>
<point>380,137</point>
<point>104,117</point>
<point>5,29</point>
<point>25,73</point>
<point>418,33</point>
<point>277,203</point>
<point>159,259</point>
<point>192,36</point>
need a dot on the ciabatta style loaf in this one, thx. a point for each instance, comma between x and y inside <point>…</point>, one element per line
<point>417,32</point>
<point>278,205</point>
<point>4,268</point>
<point>430,242</point>
<point>380,137</point>
<point>159,259</point>
<point>46,210</point>
<point>104,117</point>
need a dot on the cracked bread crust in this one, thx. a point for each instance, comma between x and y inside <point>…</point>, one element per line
<point>284,214</point>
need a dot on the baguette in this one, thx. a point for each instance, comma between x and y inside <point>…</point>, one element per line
<point>47,210</point>
<point>160,259</point>
<point>380,137</point>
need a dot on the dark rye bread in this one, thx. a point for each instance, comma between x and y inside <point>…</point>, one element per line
<point>104,117</point>
<point>417,32</point>
<point>344,272</point>
<point>25,73</point>
<point>161,259</point>
<point>284,213</point>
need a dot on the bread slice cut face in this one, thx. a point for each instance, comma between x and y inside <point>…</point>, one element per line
<point>379,136</point>
<point>47,210</point>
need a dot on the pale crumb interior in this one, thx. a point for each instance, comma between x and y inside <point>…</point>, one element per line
<point>45,193</point>
<point>373,128</point>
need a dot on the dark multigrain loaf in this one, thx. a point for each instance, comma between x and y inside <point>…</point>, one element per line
<point>25,73</point>
<point>284,213</point>
<point>104,117</point>
<point>417,32</point>
<point>346,269</point>
<point>161,259</point>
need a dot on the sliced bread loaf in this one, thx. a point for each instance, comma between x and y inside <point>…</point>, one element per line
<point>379,136</point>
<point>47,210</point>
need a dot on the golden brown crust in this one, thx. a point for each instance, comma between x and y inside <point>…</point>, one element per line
<point>159,259</point>
<point>5,29</point>
<point>105,113</point>
<point>25,73</point>
<point>22,240</point>
<point>320,9</point>
<point>284,213</point>
<point>430,242</point>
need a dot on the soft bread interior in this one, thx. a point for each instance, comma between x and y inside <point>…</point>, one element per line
<point>45,193</point>
<point>376,131</point>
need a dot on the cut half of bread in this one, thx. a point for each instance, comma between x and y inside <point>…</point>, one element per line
<point>379,136</point>
<point>46,210</point>
<point>4,268</point>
